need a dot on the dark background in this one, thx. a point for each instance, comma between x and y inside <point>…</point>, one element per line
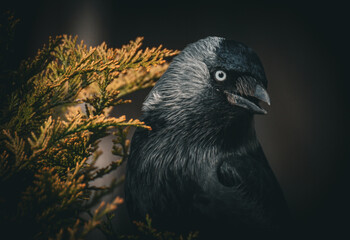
<point>304,49</point>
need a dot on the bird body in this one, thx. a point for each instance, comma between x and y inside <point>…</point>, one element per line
<point>202,167</point>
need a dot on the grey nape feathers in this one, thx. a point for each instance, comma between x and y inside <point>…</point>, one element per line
<point>202,167</point>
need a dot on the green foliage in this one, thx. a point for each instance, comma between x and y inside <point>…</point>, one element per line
<point>54,113</point>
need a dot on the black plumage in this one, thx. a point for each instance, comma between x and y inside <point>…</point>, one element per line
<point>202,167</point>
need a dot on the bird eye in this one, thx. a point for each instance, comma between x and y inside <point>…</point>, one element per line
<point>220,75</point>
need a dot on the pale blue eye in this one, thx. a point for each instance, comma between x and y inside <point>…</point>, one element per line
<point>220,75</point>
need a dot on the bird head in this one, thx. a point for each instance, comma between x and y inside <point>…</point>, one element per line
<point>237,74</point>
<point>211,76</point>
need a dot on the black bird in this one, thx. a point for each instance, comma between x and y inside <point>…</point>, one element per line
<point>202,167</point>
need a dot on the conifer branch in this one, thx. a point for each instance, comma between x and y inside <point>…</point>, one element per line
<point>49,144</point>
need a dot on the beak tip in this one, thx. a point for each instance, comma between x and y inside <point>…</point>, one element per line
<point>264,112</point>
<point>262,95</point>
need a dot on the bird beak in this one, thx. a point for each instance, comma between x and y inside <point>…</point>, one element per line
<point>259,93</point>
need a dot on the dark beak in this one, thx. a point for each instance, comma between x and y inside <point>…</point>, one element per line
<point>242,101</point>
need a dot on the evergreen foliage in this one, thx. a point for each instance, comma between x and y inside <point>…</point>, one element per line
<point>55,110</point>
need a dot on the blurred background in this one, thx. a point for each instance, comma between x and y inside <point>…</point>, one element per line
<point>304,49</point>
